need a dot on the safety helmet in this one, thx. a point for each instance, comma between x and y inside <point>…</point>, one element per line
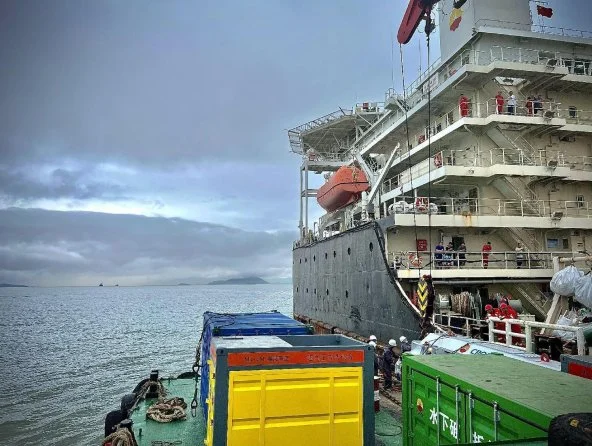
<point>504,305</point>
<point>392,343</point>
<point>488,307</point>
<point>372,343</point>
<point>403,339</point>
<point>372,338</point>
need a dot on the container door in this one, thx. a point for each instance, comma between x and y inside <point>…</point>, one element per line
<point>295,407</point>
<point>487,422</point>
<point>435,413</point>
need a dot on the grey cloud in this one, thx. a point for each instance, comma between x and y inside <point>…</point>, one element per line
<point>20,185</point>
<point>51,248</point>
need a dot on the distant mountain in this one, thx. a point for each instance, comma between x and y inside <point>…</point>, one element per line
<point>10,285</point>
<point>240,281</point>
<point>182,284</point>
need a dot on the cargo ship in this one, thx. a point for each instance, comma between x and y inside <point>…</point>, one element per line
<point>265,379</point>
<point>477,173</point>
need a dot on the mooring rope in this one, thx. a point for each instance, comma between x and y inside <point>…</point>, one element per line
<point>121,437</point>
<point>165,411</point>
<point>144,389</point>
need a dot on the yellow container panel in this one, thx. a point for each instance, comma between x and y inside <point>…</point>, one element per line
<point>289,407</point>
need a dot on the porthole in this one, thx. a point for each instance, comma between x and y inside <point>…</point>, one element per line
<point>334,254</point>
<point>348,251</point>
<point>296,289</point>
<point>314,258</point>
<point>325,256</point>
<point>346,293</point>
<point>307,290</point>
<point>305,260</point>
<point>371,246</point>
<point>327,292</point>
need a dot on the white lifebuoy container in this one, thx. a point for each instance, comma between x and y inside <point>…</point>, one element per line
<point>415,260</point>
<point>438,159</point>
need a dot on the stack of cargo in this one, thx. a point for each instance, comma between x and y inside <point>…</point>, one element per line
<point>458,399</point>
<point>286,389</point>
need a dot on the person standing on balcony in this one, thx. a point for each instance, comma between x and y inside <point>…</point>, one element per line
<point>439,250</point>
<point>529,105</point>
<point>499,102</point>
<point>463,105</point>
<point>538,103</point>
<point>519,255</point>
<point>512,104</point>
<point>462,255</point>
<point>485,250</point>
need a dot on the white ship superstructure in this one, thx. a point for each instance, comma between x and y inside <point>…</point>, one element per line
<point>510,164</point>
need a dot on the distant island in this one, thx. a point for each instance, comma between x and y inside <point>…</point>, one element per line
<point>182,284</point>
<point>10,285</point>
<point>240,281</point>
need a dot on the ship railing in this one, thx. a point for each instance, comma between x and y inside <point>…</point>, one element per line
<point>369,107</point>
<point>578,66</point>
<point>459,260</point>
<point>320,121</point>
<point>469,207</point>
<point>541,109</point>
<point>313,155</point>
<point>464,329</point>
<point>472,157</point>
<point>573,115</point>
<point>543,29</point>
<point>524,340</point>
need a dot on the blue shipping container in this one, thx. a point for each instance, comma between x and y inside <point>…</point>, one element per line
<point>272,323</point>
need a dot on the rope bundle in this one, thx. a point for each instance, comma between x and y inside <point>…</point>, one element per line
<point>121,437</point>
<point>165,411</point>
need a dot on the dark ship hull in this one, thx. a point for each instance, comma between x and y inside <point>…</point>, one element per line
<point>344,282</point>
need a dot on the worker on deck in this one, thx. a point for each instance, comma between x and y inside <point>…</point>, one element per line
<point>376,363</point>
<point>405,345</point>
<point>388,363</point>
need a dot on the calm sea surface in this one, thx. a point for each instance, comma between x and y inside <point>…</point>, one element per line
<point>68,355</point>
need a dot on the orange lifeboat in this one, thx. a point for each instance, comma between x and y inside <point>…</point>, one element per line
<point>344,187</point>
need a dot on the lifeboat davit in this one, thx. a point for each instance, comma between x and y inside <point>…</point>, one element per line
<point>343,187</point>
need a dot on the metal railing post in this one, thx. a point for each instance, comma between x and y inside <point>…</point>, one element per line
<point>490,331</point>
<point>508,333</point>
<point>528,333</point>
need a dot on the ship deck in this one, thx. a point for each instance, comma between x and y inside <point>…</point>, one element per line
<point>192,430</point>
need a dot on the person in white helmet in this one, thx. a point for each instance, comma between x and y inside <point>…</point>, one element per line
<point>376,366</point>
<point>372,338</point>
<point>405,345</point>
<point>388,363</point>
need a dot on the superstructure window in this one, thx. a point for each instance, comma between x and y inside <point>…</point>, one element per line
<point>580,201</point>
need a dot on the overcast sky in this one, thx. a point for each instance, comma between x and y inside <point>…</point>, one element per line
<point>145,141</point>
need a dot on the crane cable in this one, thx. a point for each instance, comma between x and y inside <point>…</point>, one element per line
<point>405,107</point>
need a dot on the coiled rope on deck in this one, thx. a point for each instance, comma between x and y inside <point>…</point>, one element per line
<point>165,411</point>
<point>121,437</point>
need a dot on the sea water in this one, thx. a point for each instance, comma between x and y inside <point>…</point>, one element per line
<point>68,355</point>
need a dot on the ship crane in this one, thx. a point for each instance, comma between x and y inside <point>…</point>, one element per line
<point>419,10</point>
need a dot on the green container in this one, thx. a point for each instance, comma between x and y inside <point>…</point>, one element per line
<point>456,399</point>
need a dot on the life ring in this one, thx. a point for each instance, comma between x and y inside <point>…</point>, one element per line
<point>415,260</point>
<point>438,159</point>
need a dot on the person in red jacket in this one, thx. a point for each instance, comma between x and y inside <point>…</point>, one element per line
<point>485,250</point>
<point>463,104</point>
<point>507,312</point>
<point>499,103</point>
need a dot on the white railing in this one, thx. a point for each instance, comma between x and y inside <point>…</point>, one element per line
<point>459,260</point>
<point>528,327</point>
<point>491,206</point>
<point>576,116</point>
